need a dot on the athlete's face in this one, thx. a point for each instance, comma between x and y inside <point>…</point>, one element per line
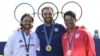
<point>69,21</point>
<point>27,23</point>
<point>47,15</point>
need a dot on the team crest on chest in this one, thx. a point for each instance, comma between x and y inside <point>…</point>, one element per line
<point>56,29</point>
<point>42,30</point>
<point>77,35</point>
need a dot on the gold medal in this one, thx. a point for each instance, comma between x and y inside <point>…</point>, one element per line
<point>48,48</point>
<point>69,52</point>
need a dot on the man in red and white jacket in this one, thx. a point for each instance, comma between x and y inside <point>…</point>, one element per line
<point>77,41</point>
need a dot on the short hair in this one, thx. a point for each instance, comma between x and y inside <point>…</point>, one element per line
<point>47,7</point>
<point>70,13</point>
<point>26,14</point>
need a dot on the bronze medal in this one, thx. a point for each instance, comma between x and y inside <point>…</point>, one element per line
<point>48,48</point>
<point>69,52</point>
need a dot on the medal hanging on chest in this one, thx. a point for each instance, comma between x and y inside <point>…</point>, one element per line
<point>70,42</point>
<point>48,47</point>
<point>27,54</point>
<point>26,45</point>
<point>69,52</point>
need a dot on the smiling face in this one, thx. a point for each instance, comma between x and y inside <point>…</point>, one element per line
<point>69,21</point>
<point>27,22</point>
<point>47,15</point>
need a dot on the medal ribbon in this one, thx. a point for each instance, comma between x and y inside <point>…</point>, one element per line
<point>48,40</point>
<point>26,45</point>
<point>70,41</point>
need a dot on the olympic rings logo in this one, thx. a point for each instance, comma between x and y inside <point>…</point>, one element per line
<point>48,3</point>
<point>45,3</point>
<point>76,4</point>
<point>20,5</point>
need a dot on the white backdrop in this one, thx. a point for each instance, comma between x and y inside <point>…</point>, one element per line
<point>90,17</point>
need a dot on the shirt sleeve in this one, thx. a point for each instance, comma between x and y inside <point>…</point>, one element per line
<point>90,45</point>
<point>37,41</point>
<point>8,49</point>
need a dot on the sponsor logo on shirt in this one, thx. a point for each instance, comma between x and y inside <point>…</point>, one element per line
<point>20,41</point>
